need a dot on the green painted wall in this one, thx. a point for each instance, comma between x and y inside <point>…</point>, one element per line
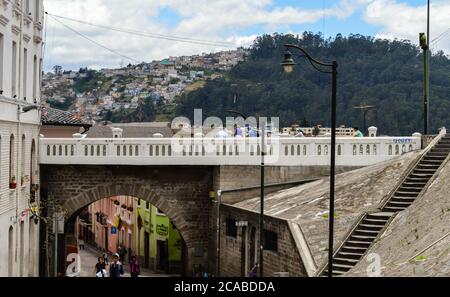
<point>159,227</point>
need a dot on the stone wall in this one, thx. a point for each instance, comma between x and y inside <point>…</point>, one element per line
<point>227,178</point>
<point>417,242</point>
<point>180,192</point>
<point>233,251</point>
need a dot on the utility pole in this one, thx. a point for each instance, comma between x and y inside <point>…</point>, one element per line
<point>219,200</point>
<point>427,77</point>
<point>261,215</point>
<point>364,109</point>
<point>56,216</point>
<point>424,44</point>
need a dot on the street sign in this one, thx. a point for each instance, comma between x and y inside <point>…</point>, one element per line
<point>58,222</point>
<point>113,230</point>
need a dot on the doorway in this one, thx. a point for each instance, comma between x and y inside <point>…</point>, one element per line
<point>146,250</point>
<point>252,252</point>
<point>162,255</point>
<point>106,239</point>
<point>244,251</point>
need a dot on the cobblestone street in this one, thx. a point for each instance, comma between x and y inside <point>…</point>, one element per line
<point>89,259</point>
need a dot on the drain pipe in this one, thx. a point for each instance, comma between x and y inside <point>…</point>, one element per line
<point>219,201</point>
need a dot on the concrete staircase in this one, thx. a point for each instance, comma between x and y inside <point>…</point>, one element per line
<point>371,225</point>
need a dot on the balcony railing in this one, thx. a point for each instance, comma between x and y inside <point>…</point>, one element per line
<point>229,151</point>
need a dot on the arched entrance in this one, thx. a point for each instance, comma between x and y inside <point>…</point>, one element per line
<point>181,193</point>
<point>128,226</point>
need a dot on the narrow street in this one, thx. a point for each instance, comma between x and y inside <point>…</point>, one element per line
<point>89,259</point>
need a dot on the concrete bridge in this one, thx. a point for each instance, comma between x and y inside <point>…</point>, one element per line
<point>219,152</point>
<point>179,176</point>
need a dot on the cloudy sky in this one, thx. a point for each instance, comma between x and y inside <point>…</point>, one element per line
<point>228,23</point>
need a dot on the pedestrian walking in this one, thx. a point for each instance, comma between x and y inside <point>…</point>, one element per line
<point>105,258</point>
<point>81,244</point>
<point>116,267</point>
<point>100,268</point>
<point>134,267</point>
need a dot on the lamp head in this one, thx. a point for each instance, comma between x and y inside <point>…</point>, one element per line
<point>288,62</point>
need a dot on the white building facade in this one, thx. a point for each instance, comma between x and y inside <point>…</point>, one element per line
<point>21,27</point>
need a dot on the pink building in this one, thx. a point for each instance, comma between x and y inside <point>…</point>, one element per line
<point>113,223</point>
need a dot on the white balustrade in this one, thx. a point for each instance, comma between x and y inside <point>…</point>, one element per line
<point>229,151</point>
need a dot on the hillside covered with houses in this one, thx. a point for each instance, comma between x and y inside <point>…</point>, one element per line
<point>146,91</point>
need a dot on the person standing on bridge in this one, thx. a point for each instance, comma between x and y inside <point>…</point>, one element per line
<point>237,131</point>
<point>316,130</point>
<point>357,133</point>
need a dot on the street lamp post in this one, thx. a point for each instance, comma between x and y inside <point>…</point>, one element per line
<point>288,65</point>
<point>262,193</point>
<point>424,40</point>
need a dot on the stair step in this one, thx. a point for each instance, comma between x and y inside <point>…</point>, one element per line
<point>440,150</point>
<point>352,250</point>
<point>402,199</point>
<point>430,161</point>
<point>420,175</point>
<point>415,184</point>
<point>424,171</point>
<point>366,232</point>
<point>428,166</point>
<point>404,204</point>
<point>404,188</point>
<point>358,243</point>
<point>441,146</point>
<point>362,238</point>
<point>379,216</point>
<point>335,273</point>
<point>437,155</point>
<point>394,208</point>
<point>366,226</point>
<point>345,261</point>
<point>374,218</point>
<point>349,255</point>
<point>342,267</point>
<point>406,194</point>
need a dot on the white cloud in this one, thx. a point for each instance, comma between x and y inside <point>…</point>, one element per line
<point>403,21</point>
<point>219,20</point>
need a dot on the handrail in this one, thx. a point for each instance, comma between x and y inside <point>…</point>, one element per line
<point>411,168</point>
<point>356,152</point>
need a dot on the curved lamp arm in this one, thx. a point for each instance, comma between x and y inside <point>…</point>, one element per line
<point>311,59</point>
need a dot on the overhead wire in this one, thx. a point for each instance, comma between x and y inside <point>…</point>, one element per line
<point>440,36</point>
<point>95,42</point>
<point>148,34</point>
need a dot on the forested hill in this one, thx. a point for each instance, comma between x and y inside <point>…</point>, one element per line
<point>387,74</point>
